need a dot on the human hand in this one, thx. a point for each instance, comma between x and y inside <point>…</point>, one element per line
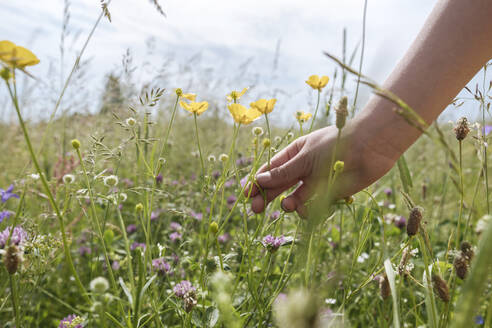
<point>305,162</point>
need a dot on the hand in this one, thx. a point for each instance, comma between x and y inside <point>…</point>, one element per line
<point>305,162</point>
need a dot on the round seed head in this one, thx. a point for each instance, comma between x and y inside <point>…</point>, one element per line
<point>341,113</point>
<point>441,288</point>
<point>460,266</point>
<point>461,129</point>
<point>75,144</point>
<point>384,287</point>
<point>139,207</point>
<point>13,258</point>
<point>414,221</point>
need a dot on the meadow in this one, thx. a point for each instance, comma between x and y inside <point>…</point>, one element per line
<point>139,215</point>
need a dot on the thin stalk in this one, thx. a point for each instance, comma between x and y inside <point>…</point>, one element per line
<point>199,148</point>
<point>461,195</point>
<point>47,189</point>
<point>361,56</point>
<point>315,112</point>
<point>15,304</point>
<point>269,137</point>
<point>169,126</point>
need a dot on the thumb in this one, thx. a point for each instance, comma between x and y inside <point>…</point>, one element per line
<point>285,174</point>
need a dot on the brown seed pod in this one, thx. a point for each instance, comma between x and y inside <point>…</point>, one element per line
<point>441,288</point>
<point>13,258</point>
<point>461,129</point>
<point>467,250</point>
<point>414,221</point>
<point>384,287</point>
<point>403,262</point>
<point>461,267</point>
<point>341,113</point>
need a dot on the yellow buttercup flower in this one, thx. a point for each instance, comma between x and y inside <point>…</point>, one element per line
<point>14,55</point>
<point>189,96</point>
<point>303,117</point>
<point>264,106</point>
<point>235,95</point>
<point>195,107</point>
<point>243,115</point>
<point>316,82</point>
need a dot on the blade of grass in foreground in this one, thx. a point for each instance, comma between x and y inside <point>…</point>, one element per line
<point>390,273</point>
<point>475,282</point>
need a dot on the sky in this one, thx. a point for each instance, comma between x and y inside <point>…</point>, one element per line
<point>214,46</point>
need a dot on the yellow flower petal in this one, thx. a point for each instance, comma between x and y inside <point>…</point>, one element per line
<point>194,107</point>
<point>18,56</point>
<point>235,95</point>
<point>303,117</point>
<point>323,81</point>
<point>317,83</point>
<point>264,106</point>
<point>242,115</point>
<point>189,96</point>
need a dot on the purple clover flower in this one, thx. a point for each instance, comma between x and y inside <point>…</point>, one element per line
<point>401,222</point>
<point>175,236</point>
<point>487,129</point>
<point>183,288</point>
<point>132,228</point>
<point>161,266</point>
<point>19,236</point>
<point>136,245</point>
<point>4,215</point>
<point>229,183</point>
<point>115,265</point>
<point>84,250</point>
<point>231,200</point>
<point>154,215</point>
<point>197,216</point>
<point>388,191</point>
<point>273,243</point>
<point>7,194</point>
<point>216,174</point>
<point>275,215</point>
<point>175,226</point>
<point>224,238</point>
<point>67,322</point>
<point>159,178</point>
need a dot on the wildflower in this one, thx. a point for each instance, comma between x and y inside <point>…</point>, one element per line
<point>317,83</point>
<point>441,288</point>
<point>400,222</point>
<point>242,115</point>
<point>84,250</point>
<point>257,131</point>
<point>71,321</point>
<point>224,238</point>
<point>341,113</point>
<point>290,135</point>
<point>154,215</point>
<point>303,117</point>
<point>183,288</point>
<point>111,180</point>
<point>189,96</point>
<point>175,236</point>
<point>195,107</point>
<point>231,200</point>
<point>384,287</point>
<point>136,245</point>
<point>461,129</point>
<point>223,157</point>
<point>130,121</point>
<point>175,226</point>
<point>115,265</point>
<point>460,266</point>
<point>6,74</point>
<point>5,214</point>
<point>7,194</point>
<point>235,95</point>
<point>211,158</point>
<point>139,207</point>
<point>362,257</point>
<point>388,191</point>
<point>68,178</point>
<point>13,258</point>
<point>414,221</point>
<point>197,216</point>
<point>75,144</point>
<point>131,228</point>
<point>277,139</point>
<point>34,176</point>
<point>19,236</point>
<point>479,320</point>
<point>99,285</point>
<point>179,92</point>
<point>275,215</point>
<point>159,178</point>
<point>161,266</point>
<point>16,56</point>
<point>264,106</point>
<point>467,250</point>
<point>272,243</point>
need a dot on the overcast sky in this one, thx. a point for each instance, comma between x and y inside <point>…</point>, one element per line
<point>225,33</point>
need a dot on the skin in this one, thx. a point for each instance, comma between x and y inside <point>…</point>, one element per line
<point>454,44</point>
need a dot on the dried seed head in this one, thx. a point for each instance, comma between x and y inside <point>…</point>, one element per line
<point>384,287</point>
<point>467,251</point>
<point>414,221</point>
<point>223,157</point>
<point>341,113</point>
<point>440,287</point>
<point>461,267</point>
<point>461,129</point>
<point>403,262</point>
<point>13,258</point>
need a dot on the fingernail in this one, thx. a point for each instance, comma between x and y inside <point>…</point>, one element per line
<point>263,177</point>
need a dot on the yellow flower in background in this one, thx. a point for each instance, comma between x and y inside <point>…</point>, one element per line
<point>235,95</point>
<point>243,115</point>
<point>316,82</point>
<point>303,117</point>
<point>264,106</point>
<point>189,96</point>
<point>14,55</point>
<point>195,107</point>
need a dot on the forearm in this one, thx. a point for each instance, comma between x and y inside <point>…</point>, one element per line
<point>454,44</point>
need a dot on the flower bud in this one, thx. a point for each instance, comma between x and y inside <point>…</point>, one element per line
<point>460,266</point>
<point>179,92</point>
<point>349,200</point>
<point>75,144</point>
<point>130,121</point>
<point>341,113</point>
<point>13,258</point>
<point>467,251</point>
<point>338,166</point>
<point>223,157</point>
<point>257,131</point>
<point>139,207</point>
<point>214,227</point>
<point>266,142</point>
<point>68,178</point>
<point>414,221</point>
<point>384,287</point>
<point>99,285</point>
<point>211,158</point>
<point>441,288</point>
<point>111,180</point>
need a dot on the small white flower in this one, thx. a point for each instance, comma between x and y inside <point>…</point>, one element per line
<point>211,158</point>
<point>362,257</point>
<point>99,285</point>
<point>34,176</point>
<point>290,135</point>
<point>130,121</point>
<point>123,197</point>
<point>330,301</point>
<point>257,131</point>
<point>277,139</point>
<point>68,178</point>
<point>111,180</point>
<point>223,157</point>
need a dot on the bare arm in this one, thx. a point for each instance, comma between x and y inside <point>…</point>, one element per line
<point>455,42</point>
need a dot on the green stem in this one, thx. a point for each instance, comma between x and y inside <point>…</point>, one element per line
<point>15,304</point>
<point>170,125</point>
<point>53,204</point>
<point>315,112</point>
<point>199,148</point>
<point>461,196</point>
<point>269,137</point>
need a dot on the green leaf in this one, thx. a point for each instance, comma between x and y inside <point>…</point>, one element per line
<point>390,273</point>
<point>212,316</point>
<point>405,177</point>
